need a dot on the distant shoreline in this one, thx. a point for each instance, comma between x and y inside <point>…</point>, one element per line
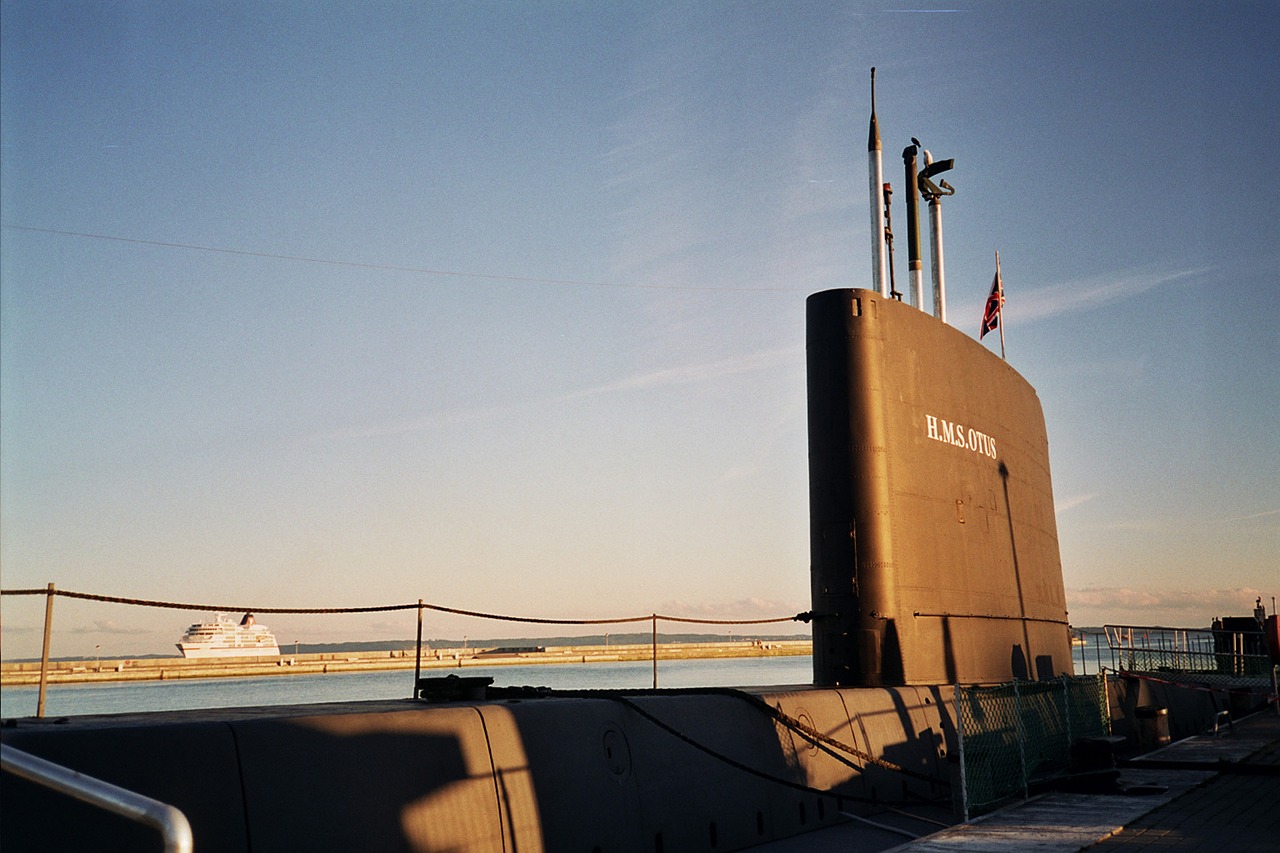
<point>27,673</point>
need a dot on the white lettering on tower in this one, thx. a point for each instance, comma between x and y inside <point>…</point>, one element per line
<point>959,435</point>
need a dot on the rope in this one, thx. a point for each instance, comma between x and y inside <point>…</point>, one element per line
<point>799,617</point>
<point>820,740</point>
<point>719,756</point>
<point>383,608</point>
<point>824,742</point>
<point>805,731</point>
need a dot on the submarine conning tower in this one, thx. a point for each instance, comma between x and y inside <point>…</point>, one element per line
<point>934,550</point>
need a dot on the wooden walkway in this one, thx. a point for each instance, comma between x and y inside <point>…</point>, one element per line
<point>1200,810</point>
<point>1231,811</point>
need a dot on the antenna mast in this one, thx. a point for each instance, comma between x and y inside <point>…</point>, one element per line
<point>888,241</point>
<point>880,278</point>
<point>933,195</point>
<point>915,271</point>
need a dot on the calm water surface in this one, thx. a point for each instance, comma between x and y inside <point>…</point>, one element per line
<point>73,699</point>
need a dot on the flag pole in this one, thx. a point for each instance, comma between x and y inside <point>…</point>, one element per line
<point>1000,305</point>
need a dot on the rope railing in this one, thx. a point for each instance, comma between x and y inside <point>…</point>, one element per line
<point>383,608</point>
<point>51,592</point>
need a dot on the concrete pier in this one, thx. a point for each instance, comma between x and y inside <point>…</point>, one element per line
<point>158,669</point>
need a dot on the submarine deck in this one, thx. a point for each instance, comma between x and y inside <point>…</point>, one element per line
<point>1230,805</point>
<point>611,773</point>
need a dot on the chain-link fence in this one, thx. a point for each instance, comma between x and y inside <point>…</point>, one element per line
<point>1012,733</point>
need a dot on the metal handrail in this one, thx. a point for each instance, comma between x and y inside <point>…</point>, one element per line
<point>1193,651</point>
<point>168,820</point>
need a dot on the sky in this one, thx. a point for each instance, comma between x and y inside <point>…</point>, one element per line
<point>501,305</point>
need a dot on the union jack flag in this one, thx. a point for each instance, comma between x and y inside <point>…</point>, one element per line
<point>995,304</point>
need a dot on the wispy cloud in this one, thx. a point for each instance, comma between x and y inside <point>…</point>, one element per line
<point>1117,371</point>
<point>1025,305</point>
<point>1139,525</point>
<point>1157,525</point>
<point>691,373</point>
<point>1068,504</point>
<point>1153,606</point>
<point>664,377</point>
<point>742,608</point>
<point>392,627</point>
<point>422,423</point>
<point>1083,294</point>
<point>1251,517</point>
<point>107,626</point>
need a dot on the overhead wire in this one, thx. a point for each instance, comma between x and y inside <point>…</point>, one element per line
<point>434,271</point>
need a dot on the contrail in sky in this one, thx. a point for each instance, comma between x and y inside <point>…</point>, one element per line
<point>683,375</point>
<point>1051,300</point>
<point>1092,292</point>
<point>1068,504</point>
<point>686,374</point>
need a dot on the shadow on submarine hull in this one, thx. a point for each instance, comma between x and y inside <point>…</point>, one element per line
<point>574,773</point>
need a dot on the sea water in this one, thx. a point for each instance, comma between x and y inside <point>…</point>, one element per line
<point>65,700</point>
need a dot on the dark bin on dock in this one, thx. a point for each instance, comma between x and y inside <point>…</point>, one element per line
<point>1153,727</point>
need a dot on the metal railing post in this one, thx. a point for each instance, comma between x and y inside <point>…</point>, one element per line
<point>44,654</point>
<point>417,660</point>
<point>1022,739</point>
<point>1066,709</point>
<point>655,651</point>
<point>1106,700</point>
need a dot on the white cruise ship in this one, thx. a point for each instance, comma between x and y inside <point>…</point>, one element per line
<point>224,637</point>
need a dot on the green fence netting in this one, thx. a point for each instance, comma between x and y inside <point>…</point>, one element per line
<point>1013,733</point>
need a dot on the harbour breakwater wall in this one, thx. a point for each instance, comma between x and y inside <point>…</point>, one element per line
<point>160,669</point>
